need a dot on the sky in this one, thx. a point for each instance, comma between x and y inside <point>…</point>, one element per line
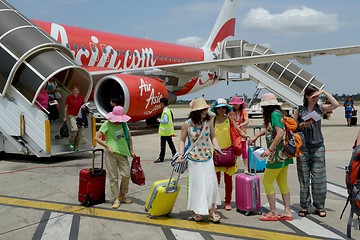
<point>281,25</point>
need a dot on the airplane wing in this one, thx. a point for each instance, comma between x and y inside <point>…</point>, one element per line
<point>186,68</point>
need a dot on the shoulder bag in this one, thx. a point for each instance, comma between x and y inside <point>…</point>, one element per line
<point>227,159</point>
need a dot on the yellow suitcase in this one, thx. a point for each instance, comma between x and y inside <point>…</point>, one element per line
<point>162,197</point>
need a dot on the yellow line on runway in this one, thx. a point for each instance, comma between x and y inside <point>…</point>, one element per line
<point>141,218</point>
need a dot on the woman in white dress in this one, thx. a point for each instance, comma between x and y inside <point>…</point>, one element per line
<point>203,186</point>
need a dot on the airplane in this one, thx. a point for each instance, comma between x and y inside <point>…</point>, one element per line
<point>141,71</point>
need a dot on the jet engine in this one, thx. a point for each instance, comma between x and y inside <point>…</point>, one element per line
<point>140,96</point>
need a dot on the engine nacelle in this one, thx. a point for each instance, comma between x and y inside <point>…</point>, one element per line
<point>140,96</point>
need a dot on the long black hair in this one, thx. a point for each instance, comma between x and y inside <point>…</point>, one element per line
<point>241,107</point>
<point>268,110</point>
<point>195,116</point>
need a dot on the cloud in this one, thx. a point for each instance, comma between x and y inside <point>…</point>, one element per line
<point>191,41</point>
<point>293,21</point>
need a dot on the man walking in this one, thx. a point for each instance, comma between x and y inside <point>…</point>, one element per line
<point>166,130</point>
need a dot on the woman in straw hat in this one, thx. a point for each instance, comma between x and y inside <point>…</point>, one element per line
<point>241,117</point>
<point>222,125</point>
<point>118,149</point>
<point>278,161</point>
<point>311,166</point>
<point>203,186</point>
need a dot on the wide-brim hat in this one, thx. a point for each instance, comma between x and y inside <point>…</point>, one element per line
<point>117,115</point>
<point>221,102</point>
<point>198,104</point>
<point>269,99</point>
<point>237,100</point>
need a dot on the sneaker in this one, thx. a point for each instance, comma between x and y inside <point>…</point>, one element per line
<point>76,149</point>
<point>227,206</point>
<point>71,146</point>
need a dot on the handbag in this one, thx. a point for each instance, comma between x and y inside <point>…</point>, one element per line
<point>64,131</point>
<point>181,167</point>
<point>137,173</point>
<point>236,140</point>
<point>225,160</point>
<point>57,95</point>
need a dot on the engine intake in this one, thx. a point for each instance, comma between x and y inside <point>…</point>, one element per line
<point>140,96</point>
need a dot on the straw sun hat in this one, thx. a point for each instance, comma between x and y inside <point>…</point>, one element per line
<point>198,104</point>
<point>269,99</point>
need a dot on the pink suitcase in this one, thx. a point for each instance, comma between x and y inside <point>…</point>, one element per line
<point>247,191</point>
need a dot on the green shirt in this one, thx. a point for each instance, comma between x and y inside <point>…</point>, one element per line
<point>278,158</point>
<point>115,137</point>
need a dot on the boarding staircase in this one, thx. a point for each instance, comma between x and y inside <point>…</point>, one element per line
<point>283,78</point>
<point>29,58</point>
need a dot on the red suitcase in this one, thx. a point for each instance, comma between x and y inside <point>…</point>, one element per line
<point>92,183</point>
<point>247,193</point>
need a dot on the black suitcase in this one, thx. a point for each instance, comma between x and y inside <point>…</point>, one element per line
<point>353,121</point>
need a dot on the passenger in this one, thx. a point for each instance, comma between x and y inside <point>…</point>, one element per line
<point>241,117</point>
<point>52,89</point>
<point>349,107</point>
<point>42,100</point>
<point>73,104</point>
<point>166,130</point>
<point>203,187</point>
<point>277,160</point>
<point>311,165</point>
<point>115,102</point>
<point>118,149</point>
<point>221,123</point>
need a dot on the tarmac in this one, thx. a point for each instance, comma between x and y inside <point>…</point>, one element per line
<point>38,197</point>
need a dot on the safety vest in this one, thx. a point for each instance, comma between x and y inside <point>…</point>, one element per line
<point>166,129</point>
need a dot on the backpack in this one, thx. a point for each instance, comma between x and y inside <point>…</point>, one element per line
<point>294,139</point>
<point>352,180</point>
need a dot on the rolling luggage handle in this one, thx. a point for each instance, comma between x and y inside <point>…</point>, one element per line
<point>93,161</point>
<point>174,188</point>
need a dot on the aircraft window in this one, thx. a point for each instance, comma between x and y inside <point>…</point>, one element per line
<point>124,52</point>
<point>189,60</point>
<point>104,50</point>
<point>135,54</point>
<point>93,49</point>
<point>182,60</point>
<point>83,48</point>
<point>192,60</point>
<point>160,57</point>
<point>76,47</point>
<point>174,59</point>
<point>129,53</point>
<point>155,56</point>
<point>150,55</point>
<point>185,60</point>
<point>140,55</point>
<point>112,51</point>
<point>178,59</point>
<point>118,52</point>
<point>145,54</point>
<point>68,46</point>
<point>169,59</point>
<point>165,58</point>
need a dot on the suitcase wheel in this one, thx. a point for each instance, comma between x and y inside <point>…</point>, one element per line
<point>87,200</point>
<point>247,213</point>
<point>259,212</point>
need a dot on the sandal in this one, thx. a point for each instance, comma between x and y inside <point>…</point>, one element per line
<point>320,212</point>
<point>116,204</point>
<point>125,199</point>
<point>214,218</point>
<point>267,217</point>
<point>303,213</point>
<point>197,217</point>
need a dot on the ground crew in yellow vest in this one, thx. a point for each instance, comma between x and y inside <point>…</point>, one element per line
<point>166,130</point>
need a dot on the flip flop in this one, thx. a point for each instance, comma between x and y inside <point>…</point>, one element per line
<point>303,213</point>
<point>267,217</point>
<point>282,217</point>
<point>320,212</point>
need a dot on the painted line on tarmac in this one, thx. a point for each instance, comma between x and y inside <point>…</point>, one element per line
<point>34,168</point>
<point>217,229</point>
<point>306,225</point>
<point>337,190</point>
